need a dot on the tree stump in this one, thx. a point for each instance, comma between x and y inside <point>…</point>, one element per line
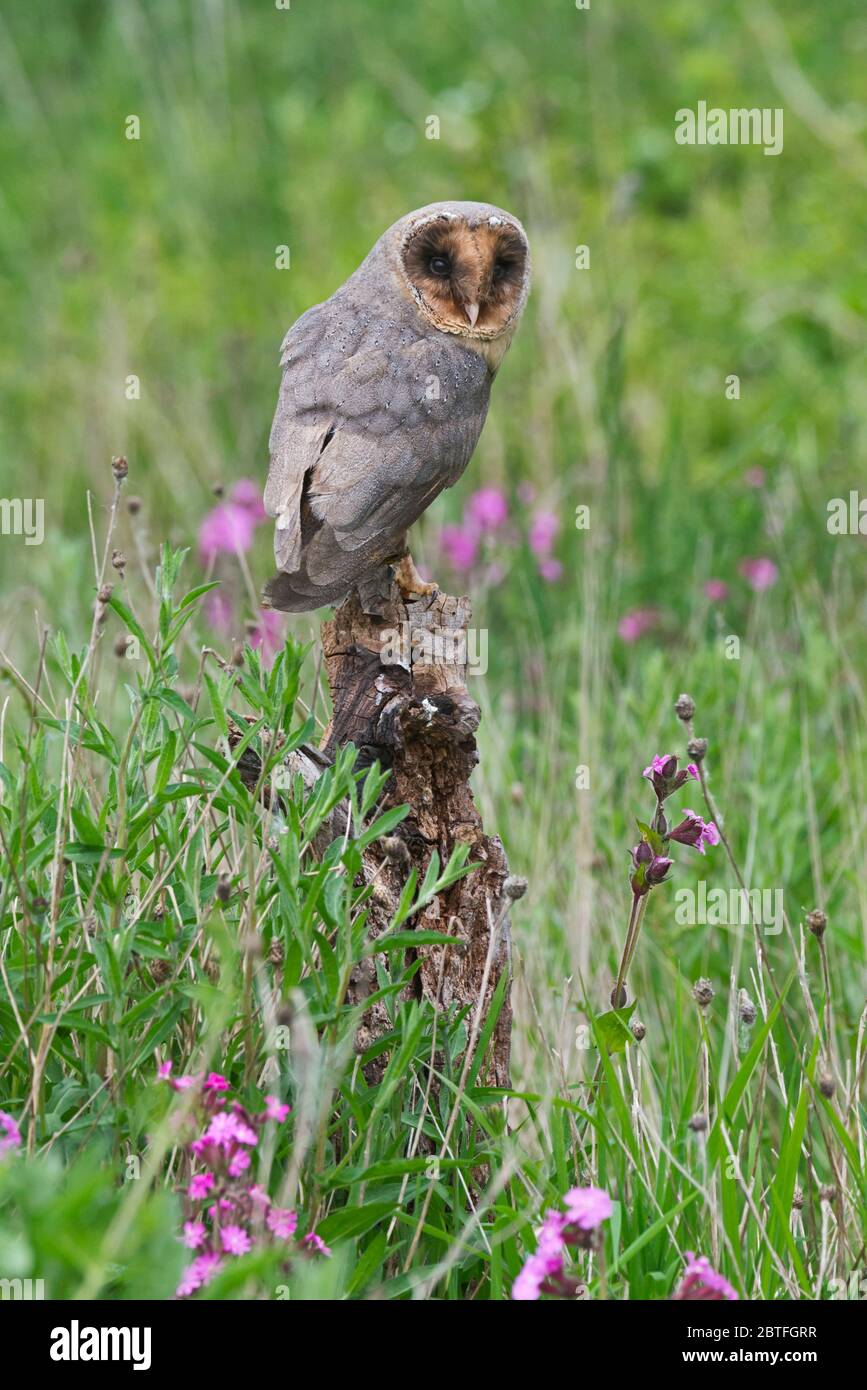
<point>398,686</point>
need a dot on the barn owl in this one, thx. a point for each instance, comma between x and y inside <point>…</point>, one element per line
<point>384,394</point>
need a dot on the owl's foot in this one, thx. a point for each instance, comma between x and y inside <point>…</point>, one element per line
<point>408,579</point>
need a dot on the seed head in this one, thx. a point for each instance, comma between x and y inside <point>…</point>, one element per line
<point>394,849</point>
<point>697,748</point>
<point>637,1029</point>
<point>275,952</point>
<point>798,1198</point>
<point>119,467</point>
<point>746,1009</point>
<point>514,887</point>
<point>827,1085</point>
<point>817,922</point>
<point>684,708</point>
<point>105,594</point>
<point>703,992</point>
<point>698,1123</point>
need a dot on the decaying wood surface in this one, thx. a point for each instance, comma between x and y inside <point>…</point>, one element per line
<point>399,688</point>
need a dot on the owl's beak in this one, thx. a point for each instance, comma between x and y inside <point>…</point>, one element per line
<point>472,313</point>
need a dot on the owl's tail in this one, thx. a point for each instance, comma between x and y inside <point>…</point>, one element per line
<point>296,593</point>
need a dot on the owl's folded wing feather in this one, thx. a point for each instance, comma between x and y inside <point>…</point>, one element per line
<point>362,444</point>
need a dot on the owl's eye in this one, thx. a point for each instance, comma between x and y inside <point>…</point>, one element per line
<point>500,269</point>
<point>439,265</point>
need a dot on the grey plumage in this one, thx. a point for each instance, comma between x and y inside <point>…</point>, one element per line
<point>379,410</point>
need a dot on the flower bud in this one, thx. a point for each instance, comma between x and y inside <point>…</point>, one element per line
<point>119,467</point>
<point>697,748</point>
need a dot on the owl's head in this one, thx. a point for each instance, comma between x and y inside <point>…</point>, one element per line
<point>467,265</point>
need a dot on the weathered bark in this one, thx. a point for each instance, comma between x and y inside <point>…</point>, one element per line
<point>398,685</point>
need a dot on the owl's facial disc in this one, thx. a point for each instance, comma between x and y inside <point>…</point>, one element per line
<point>468,280</point>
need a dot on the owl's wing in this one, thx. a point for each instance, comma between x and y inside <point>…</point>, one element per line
<point>364,443</point>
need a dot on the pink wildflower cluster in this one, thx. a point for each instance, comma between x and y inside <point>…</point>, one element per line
<point>10,1134</point>
<point>485,519</point>
<point>701,1283</point>
<point>225,1214</point>
<point>649,864</point>
<point>575,1228</point>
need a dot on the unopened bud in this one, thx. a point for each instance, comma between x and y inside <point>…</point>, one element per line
<point>698,1124</point>
<point>119,467</point>
<point>637,1029</point>
<point>105,593</point>
<point>623,997</point>
<point>827,1085</point>
<point>746,1009</point>
<point>696,748</point>
<point>118,560</point>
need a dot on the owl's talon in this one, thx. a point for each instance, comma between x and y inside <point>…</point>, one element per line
<point>409,581</point>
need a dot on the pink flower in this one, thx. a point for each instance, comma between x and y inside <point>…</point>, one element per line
<point>226,1130</point>
<point>487,509</point>
<point>194,1234</point>
<point>716,590</point>
<point>10,1134</point>
<point>695,832</point>
<point>248,494</point>
<point>282,1222</point>
<point>550,570</point>
<point>537,1269</point>
<point>200,1272</point>
<point>218,611</point>
<point>547,1261</point>
<point>164,1071</point>
<point>216,1082</point>
<point>460,547</point>
<point>760,573</point>
<point>316,1243</point>
<point>226,530</point>
<point>274,1110</point>
<point>200,1186</point>
<point>755,477</point>
<point>268,633</point>
<point>635,623</point>
<point>587,1207</point>
<point>258,1195</point>
<point>543,533</point>
<point>238,1163</point>
<point>235,1240</point>
<point>701,1283</point>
